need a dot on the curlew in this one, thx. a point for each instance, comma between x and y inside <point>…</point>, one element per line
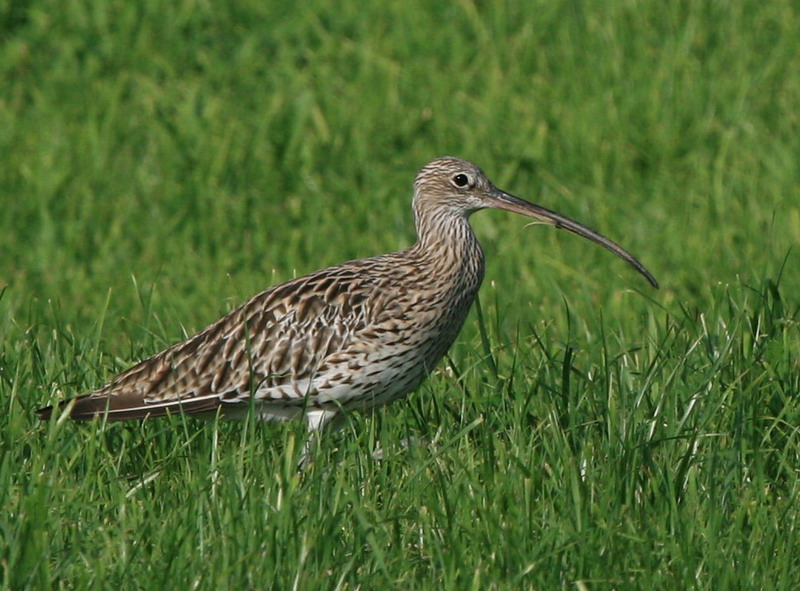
<point>350,337</point>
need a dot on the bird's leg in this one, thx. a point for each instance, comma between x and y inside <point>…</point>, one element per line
<point>319,421</point>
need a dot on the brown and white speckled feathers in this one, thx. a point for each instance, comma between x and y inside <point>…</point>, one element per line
<point>353,336</point>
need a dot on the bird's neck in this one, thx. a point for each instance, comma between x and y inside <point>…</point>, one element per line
<point>450,250</point>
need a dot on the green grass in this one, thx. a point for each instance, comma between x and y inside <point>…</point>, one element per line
<point>162,161</point>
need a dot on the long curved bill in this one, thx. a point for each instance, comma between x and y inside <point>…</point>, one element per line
<point>502,200</point>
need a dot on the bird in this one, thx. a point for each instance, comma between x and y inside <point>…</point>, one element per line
<point>351,337</point>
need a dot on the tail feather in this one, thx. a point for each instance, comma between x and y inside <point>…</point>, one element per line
<point>126,407</point>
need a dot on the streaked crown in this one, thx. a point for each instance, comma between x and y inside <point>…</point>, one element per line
<point>455,184</point>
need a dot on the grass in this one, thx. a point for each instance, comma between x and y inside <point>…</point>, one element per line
<point>162,161</point>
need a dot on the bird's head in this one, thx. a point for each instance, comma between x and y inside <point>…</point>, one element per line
<point>449,188</point>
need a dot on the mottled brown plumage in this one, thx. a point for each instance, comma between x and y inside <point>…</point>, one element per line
<point>354,336</point>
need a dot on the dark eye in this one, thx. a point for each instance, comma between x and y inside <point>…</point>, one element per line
<point>460,180</point>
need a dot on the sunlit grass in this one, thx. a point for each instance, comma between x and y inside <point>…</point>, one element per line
<point>164,161</point>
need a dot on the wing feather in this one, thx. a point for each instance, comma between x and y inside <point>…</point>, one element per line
<point>273,343</point>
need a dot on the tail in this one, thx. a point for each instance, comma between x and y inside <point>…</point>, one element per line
<point>127,407</point>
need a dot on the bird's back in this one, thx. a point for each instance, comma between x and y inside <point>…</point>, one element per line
<point>356,335</point>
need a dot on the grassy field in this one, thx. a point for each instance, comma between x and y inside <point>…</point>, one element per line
<point>164,160</point>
